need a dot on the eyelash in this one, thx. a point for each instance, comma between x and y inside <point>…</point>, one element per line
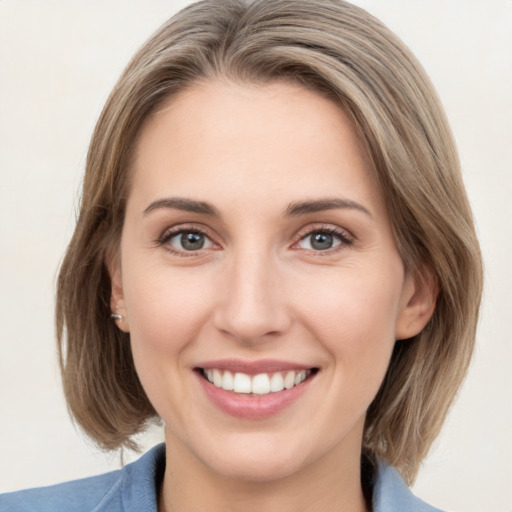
<point>168,235</point>
<point>345,239</point>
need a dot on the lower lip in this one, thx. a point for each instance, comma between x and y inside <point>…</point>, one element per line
<point>253,407</point>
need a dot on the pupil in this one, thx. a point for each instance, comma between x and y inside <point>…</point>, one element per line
<point>321,241</point>
<point>192,241</point>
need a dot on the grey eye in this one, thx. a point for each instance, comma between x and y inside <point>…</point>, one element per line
<point>320,241</point>
<point>190,241</point>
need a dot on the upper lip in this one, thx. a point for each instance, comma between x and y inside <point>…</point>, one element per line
<point>252,367</point>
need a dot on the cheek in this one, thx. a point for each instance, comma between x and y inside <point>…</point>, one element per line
<point>354,317</point>
<point>166,312</point>
<point>164,307</point>
<point>354,304</point>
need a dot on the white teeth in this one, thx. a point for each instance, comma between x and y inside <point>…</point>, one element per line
<point>217,378</point>
<point>289,380</point>
<point>300,377</point>
<point>276,382</point>
<point>227,381</point>
<point>260,384</point>
<point>242,383</point>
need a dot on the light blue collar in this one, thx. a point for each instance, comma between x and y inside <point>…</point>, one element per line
<point>134,488</point>
<point>391,494</point>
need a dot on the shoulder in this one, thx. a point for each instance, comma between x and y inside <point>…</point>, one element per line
<point>80,495</point>
<point>391,494</point>
<point>130,488</point>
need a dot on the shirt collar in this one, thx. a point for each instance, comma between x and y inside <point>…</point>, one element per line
<point>141,479</point>
<point>391,494</point>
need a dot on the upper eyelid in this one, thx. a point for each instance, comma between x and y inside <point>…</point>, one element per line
<point>181,228</point>
<point>330,228</point>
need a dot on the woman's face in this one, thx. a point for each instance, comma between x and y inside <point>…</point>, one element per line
<point>257,253</point>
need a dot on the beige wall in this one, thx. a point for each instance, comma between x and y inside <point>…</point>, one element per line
<point>58,61</point>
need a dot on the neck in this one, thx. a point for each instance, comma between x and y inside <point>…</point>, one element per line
<point>332,484</point>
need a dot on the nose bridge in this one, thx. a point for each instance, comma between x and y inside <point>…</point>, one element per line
<point>253,304</point>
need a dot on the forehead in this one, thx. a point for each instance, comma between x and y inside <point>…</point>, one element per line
<point>252,140</point>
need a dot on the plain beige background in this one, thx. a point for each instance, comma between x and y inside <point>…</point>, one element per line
<point>58,62</point>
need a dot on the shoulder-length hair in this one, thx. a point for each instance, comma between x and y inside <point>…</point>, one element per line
<point>338,50</point>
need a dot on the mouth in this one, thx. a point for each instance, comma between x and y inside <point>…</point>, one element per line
<point>264,383</point>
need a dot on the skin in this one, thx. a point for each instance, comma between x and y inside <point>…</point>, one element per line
<point>259,289</point>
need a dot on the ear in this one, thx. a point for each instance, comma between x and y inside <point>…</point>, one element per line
<point>117,302</point>
<point>418,303</point>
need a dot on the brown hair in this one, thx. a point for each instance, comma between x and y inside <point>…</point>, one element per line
<point>336,49</point>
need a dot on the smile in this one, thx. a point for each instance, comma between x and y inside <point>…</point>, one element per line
<point>260,384</point>
<point>254,390</point>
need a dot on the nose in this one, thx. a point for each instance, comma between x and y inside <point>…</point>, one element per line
<point>253,302</point>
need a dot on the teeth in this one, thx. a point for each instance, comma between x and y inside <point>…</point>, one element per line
<point>217,378</point>
<point>261,384</point>
<point>227,381</point>
<point>276,382</point>
<point>300,377</point>
<point>242,383</point>
<point>289,380</point>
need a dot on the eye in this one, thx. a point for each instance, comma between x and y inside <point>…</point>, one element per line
<point>323,240</point>
<point>186,241</point>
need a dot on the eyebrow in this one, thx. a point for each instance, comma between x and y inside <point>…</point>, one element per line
<point>294,209</point>
<point>305,207</point>
<point>187,205</point>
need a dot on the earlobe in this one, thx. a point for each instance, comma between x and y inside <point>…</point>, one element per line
<point>418,303</point>
<point>117,302</point>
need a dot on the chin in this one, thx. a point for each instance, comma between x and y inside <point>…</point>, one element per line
<point>256,469</point>
<point>259,456</point>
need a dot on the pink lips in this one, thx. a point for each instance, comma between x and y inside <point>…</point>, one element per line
<point>249,406</point>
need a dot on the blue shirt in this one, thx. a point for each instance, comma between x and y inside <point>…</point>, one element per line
<point>134,488</point>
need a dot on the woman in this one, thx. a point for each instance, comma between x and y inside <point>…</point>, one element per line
<point>274,219</point>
